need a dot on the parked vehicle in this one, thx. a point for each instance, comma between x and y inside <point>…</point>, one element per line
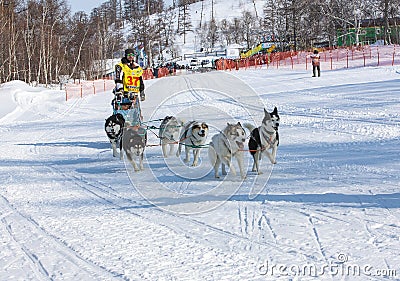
<point>195,63</point>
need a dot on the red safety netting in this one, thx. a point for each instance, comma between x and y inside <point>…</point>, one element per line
<point>85,88</point>
<point>331,58</point>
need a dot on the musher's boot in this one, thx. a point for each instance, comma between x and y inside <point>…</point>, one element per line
<point>142,96</point>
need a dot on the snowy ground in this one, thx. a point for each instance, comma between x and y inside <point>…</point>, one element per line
<point>329,210</point>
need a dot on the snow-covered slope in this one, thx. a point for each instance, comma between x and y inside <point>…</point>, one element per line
<point>70,211</point>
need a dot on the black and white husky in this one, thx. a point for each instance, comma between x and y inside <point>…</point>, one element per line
<point>264,138</point>
<point>193,136</point>
<point>114,128</point>
<point>134,142</point>
<point>169,134</point>
<point>227,145</point>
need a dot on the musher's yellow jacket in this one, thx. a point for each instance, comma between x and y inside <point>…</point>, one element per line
<point>130,75</point>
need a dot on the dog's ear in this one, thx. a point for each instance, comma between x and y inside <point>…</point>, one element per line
<point>275,111</point>
<point>239,124</point>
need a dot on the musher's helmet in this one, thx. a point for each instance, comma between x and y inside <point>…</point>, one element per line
<point>129,51</point>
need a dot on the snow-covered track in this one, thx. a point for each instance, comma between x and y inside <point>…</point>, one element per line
<point>43,250</point>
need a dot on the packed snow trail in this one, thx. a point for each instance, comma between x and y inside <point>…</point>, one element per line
<point>70,211</point>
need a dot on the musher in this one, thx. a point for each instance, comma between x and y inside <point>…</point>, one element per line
<point>128,79</point>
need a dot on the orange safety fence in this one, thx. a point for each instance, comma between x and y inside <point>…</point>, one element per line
<point>331,58</point>
<point>147,74</point>
<point>162,72</point>
<point>85,88</point>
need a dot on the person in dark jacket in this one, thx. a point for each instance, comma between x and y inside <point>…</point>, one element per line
<point>315,58</point>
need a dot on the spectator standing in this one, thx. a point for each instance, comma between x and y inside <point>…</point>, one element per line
<point>315,60</point>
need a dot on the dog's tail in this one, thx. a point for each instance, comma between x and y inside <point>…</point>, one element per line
<point>249,127</point>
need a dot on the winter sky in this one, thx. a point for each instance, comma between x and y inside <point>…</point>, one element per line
<point>86,6</point>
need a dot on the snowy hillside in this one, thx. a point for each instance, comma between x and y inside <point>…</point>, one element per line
<point>223,9</point>
<point>328,210</point>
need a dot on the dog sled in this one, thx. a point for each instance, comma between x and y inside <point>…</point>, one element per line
<point>128,105</point>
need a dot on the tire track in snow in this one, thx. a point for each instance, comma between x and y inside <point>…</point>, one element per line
<point>345,118</point>
<point>37,245</point>
<point>264,220</point>
<point>189,226</point>
<point>34,263</point>
<point>54,246</point>
<point>243,220</point>
<point>193,91</point>
<point>375,236</point>
<point>252,224</point>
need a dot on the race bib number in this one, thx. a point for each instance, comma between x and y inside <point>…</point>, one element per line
<point>133,81</point>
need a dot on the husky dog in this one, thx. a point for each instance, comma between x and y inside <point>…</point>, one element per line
<point>169,134</point>
<point>276,120</point>
<point>193,136</point>
<point>224,146</point>
<point>134,142</point>
<point>264,138</point>
<point>114,128</point>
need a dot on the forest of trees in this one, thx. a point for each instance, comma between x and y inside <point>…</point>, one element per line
<point>41,41</point>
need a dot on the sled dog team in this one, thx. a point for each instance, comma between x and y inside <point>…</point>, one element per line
<point>223,148</point>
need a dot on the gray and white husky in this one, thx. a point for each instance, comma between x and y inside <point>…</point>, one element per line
<point>227,145</point>
<point>193,136</point>
<point>134,143</point>
<point>169,134</point>
<point>264,138</point>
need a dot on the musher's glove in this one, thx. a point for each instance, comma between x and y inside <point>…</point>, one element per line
<point>118,97</point>
<point>119,87</point>
<point>132,95</point>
